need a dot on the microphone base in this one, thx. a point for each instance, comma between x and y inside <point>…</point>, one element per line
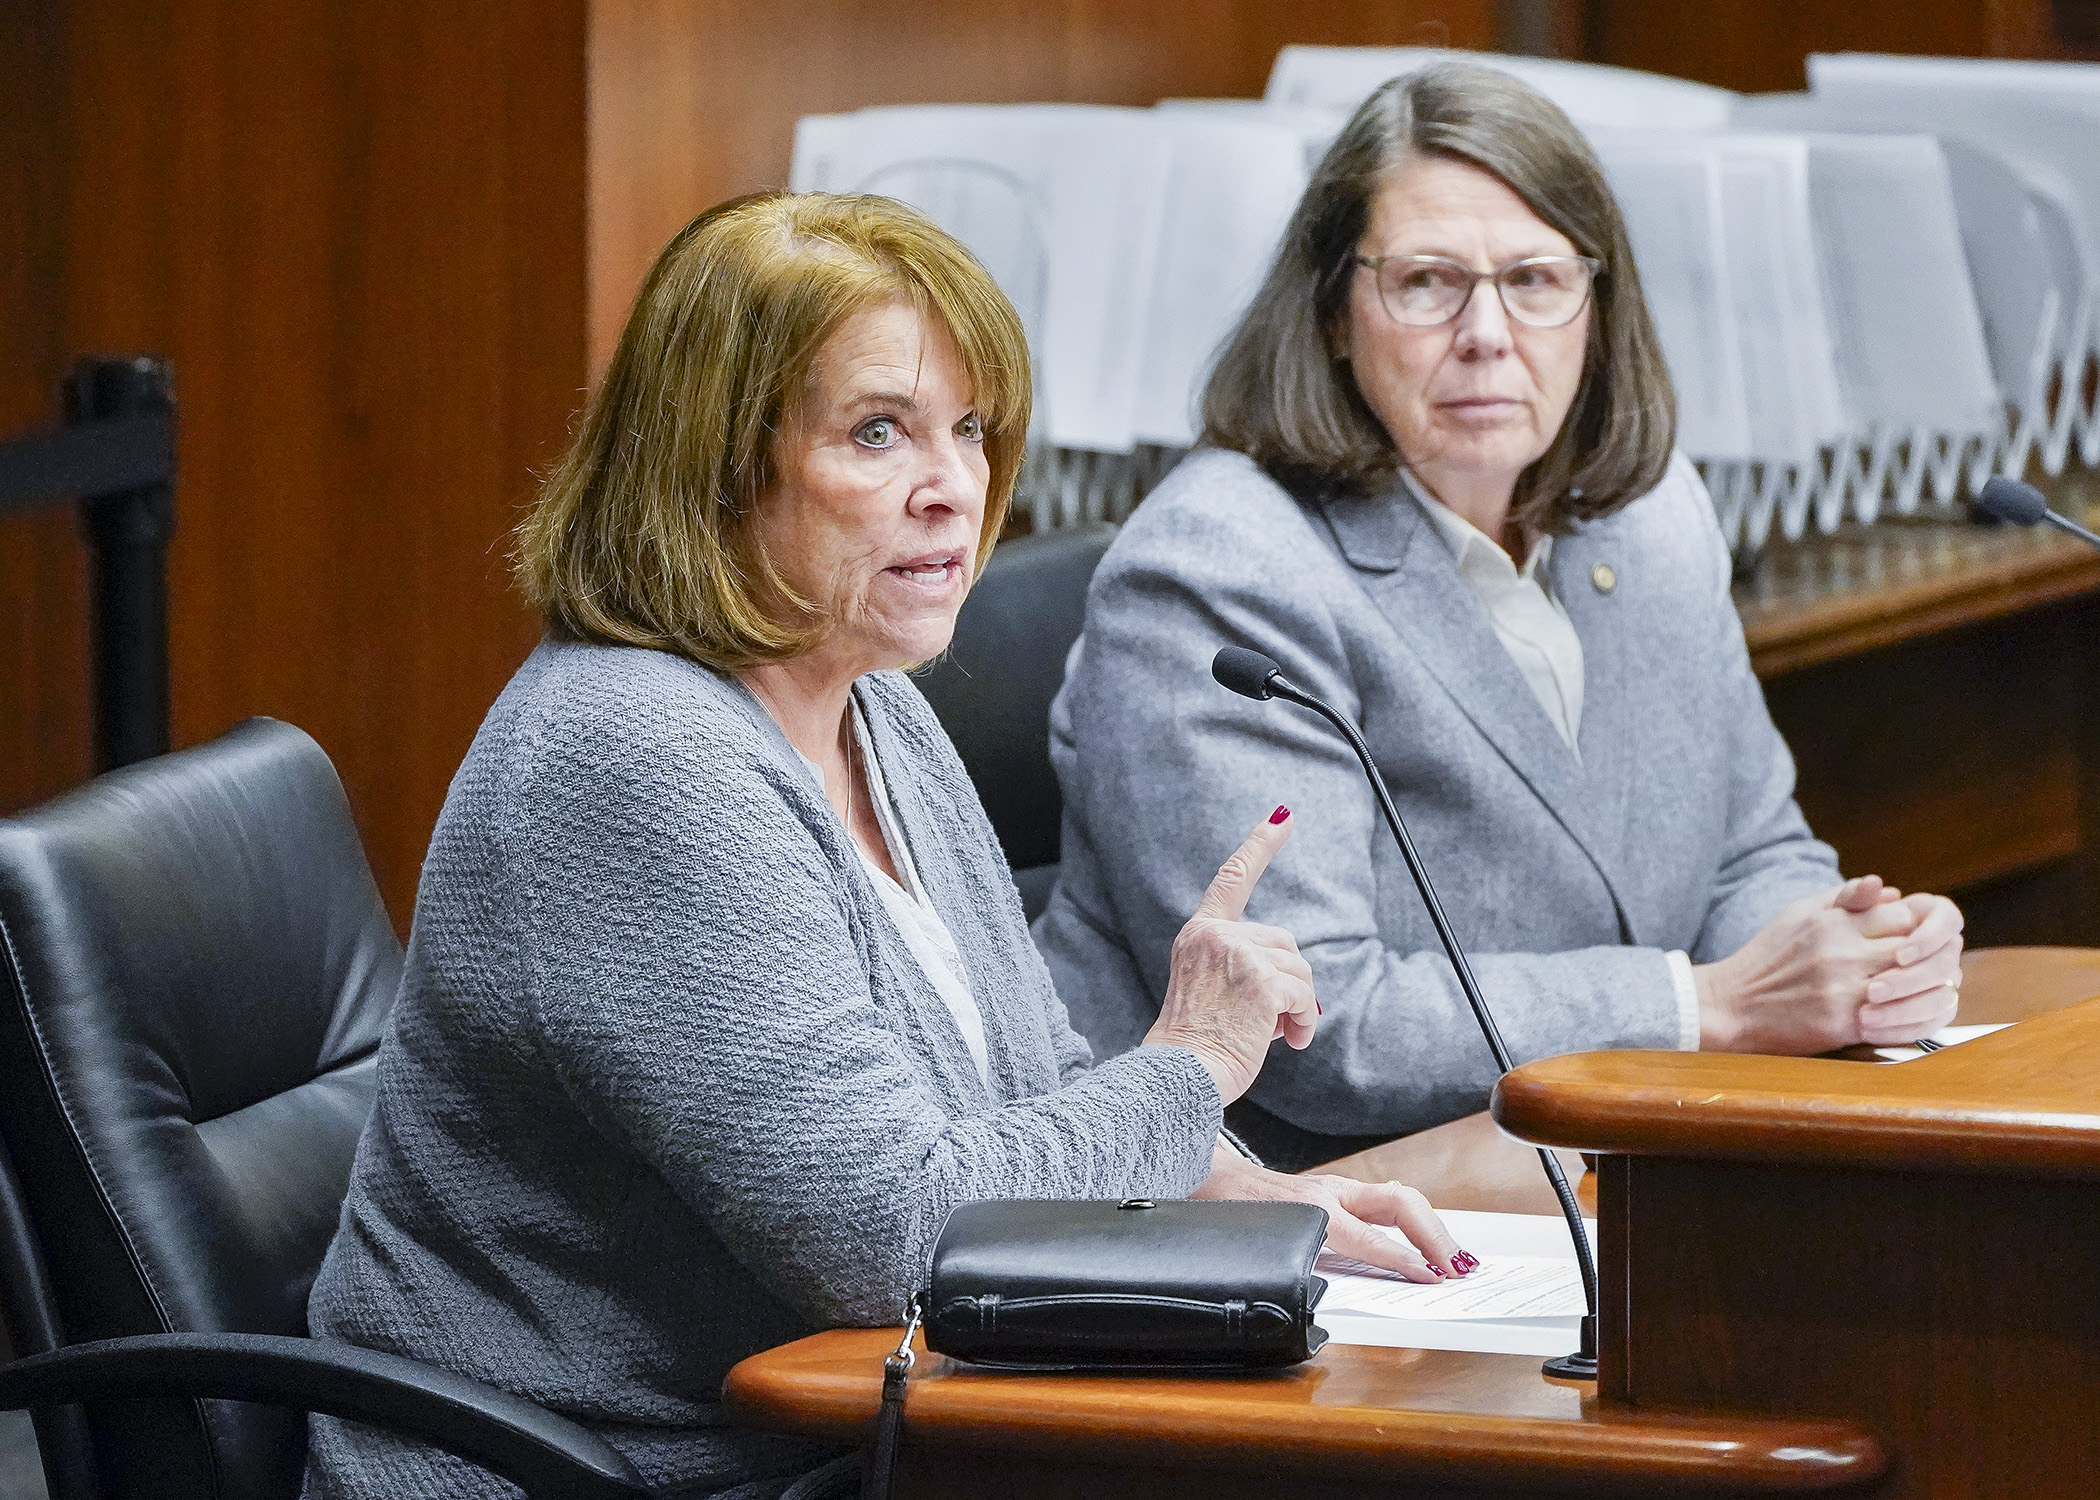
<point>1582,1364</point>
<point>1571,1367</point>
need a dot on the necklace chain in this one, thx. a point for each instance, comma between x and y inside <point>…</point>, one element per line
<point>852,781</point>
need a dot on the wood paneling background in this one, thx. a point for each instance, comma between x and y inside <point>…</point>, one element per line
<point>384,245</point>
<point>1966,762</point>
<point>693,101</point>
<point>44,725</point>
<point>358,232</point>
<point>1759,46</point>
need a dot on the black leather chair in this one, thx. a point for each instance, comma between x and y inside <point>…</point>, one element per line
<point>993,690</point>
<point>194,969</point>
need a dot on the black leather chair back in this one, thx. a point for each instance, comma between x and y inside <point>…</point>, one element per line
<point>993,688</point>
<point>195,966</point>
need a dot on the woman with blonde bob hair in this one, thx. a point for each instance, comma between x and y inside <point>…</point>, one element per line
<point>1436,483</point>
<point>719,995</point>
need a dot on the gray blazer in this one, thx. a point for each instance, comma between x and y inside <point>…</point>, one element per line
<point>664,1086</point>
<point>1566,880</point>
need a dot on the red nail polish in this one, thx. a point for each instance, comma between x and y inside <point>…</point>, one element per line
<point>1279,815</point>
<point>1438,1269</point>
<point>1464,1264</point>
<point>1319,1009</point>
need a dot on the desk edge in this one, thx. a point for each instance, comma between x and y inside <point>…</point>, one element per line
<point>1631,1450</point>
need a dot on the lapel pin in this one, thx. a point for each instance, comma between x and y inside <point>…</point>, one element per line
<point>1603,578</point>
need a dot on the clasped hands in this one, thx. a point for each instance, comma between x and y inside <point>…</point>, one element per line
<point>1860,962</point>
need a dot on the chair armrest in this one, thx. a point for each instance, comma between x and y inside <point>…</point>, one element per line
<point>546,1455</point>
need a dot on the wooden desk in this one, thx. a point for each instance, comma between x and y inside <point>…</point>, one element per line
<point>1825,598</point>
<point>1907,1246</point>
<point>1939,684</point>
<point>1473,1163</point>
<point>1355,1420</point>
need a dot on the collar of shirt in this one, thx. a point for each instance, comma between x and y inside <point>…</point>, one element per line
<point>1492,575</point>
<point>1483,562</point>
<point>1531,624</point>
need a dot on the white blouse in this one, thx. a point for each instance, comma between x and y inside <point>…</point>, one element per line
<point>1531,624</point>
<point>925,934</point>
<point>1535,630</point>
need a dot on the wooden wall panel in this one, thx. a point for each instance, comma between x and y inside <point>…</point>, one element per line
<point>695,100</point>
<point>358,231</point>
<point>44,715</point>
<point>1964,763</point>
<point>1761,45</point>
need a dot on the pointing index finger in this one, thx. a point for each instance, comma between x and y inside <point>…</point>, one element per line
<point>1236,878</point>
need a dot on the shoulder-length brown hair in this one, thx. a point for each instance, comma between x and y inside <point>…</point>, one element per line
<point>1282,394</point>
<point>645,534</point>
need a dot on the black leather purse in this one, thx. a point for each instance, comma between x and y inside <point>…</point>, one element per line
<point>1028,1285</point>
<point>1137,1284</point>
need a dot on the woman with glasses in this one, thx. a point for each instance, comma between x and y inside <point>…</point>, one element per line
<point>1436,483</point>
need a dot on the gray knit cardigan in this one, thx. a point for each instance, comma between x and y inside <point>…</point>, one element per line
<point>664,1086</point>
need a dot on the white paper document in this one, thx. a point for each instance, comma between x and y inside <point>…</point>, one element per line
<point>1505,1286</point>
<point>1946,1036</point>
<point>1526,1298</point>
<point>1064,204</point>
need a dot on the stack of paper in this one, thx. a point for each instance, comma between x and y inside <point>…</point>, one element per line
<point>1869,297</point>
<point>1670,189</point>
<point>1130,241</point>
<point>1910,342</point>
<point>1086,183</point>
<point>1725,239</point>
<point>1946,1036</point>
<point>1315,126</point>
<point>2038,119</point>
<point>2019,243</point>
<point>1526,1298</point>
<point>1232,186</point>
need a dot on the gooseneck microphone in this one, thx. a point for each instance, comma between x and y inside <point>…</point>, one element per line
<point>1252,675</point>
<point>2023,505</point>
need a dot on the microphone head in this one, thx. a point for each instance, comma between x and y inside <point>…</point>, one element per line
<point>1245,672</point>
<point>2010,500</point>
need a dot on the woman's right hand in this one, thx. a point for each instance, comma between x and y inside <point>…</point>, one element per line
<point>1236,986</point>
<point>1812,979</point>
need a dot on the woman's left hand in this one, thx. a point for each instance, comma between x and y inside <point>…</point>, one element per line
<point>1922,992</point>
<point>1353,1210</point>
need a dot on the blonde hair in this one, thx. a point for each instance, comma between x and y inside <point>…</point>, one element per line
<point>645,534</point>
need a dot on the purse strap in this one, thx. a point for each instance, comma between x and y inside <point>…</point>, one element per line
<point>881,1464</point>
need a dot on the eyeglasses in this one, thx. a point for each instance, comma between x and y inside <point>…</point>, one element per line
<point>1422,291</point>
